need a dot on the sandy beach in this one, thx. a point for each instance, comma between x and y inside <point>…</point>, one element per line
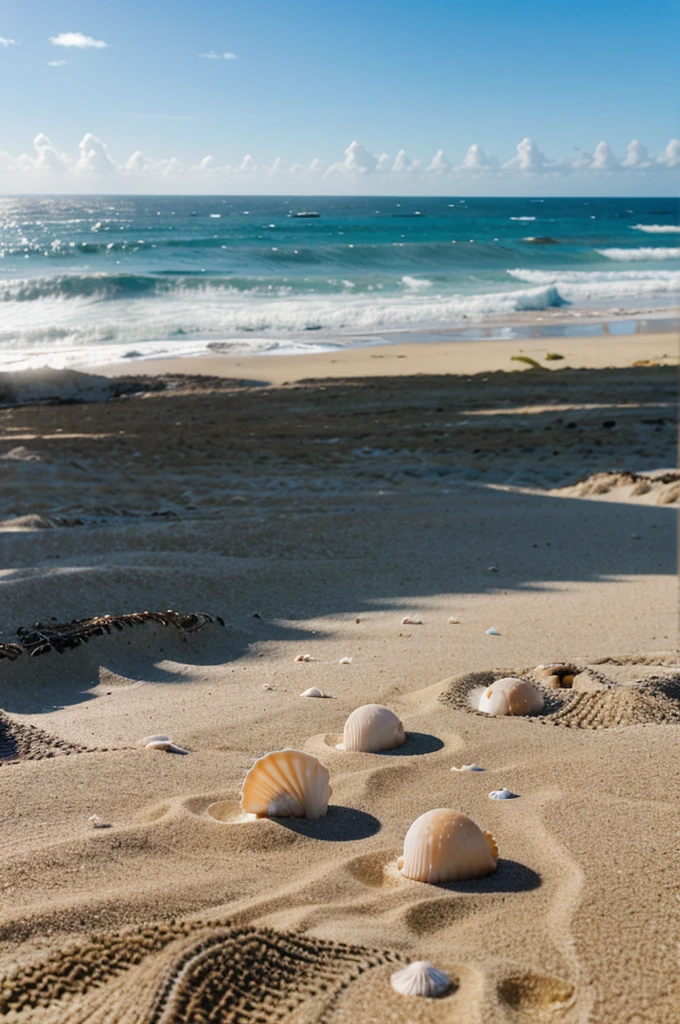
<point>313,503</point>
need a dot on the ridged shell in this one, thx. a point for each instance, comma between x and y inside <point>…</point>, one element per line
<point>447,846</point>
<point>286,784</point>
<point>372,728</point>
<point>420,979</point>
<point>511,696</point>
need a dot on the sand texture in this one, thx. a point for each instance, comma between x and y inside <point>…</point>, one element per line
<point>313,519</point>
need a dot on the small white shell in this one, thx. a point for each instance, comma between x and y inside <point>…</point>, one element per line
<point>345,661</point>
<point>511,696</point>
<point>447,846</point>
<point>95,821</point>
<point>411,620</point>
<point>453,621</point>
<point>287,784</point>
<point>501,794</point>
<point>154,739</point>
<point>420,979</point>
<point>372,728</point>
<point>468,768</point>
<point>303,657</point>
<point>166,745</point>
<point>492,631</point>
<point>313,691</point>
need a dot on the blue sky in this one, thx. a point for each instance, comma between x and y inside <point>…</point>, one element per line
<point>304,80</point>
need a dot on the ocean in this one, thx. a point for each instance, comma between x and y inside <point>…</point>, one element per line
<point>90,280</point>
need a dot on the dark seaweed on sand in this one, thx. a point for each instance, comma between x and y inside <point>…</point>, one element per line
<point>41,638</point>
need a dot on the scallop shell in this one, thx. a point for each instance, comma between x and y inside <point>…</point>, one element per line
<point>447,846</point>
<point>420,979</point>
<point>286,784</point>
<point>313,691</point>
<point>511,696</point>
<point>372,728</point>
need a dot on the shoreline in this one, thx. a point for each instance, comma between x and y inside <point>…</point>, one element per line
<point>452,356</point>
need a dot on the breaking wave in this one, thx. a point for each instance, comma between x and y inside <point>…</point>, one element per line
<point>581,285</point>
<point>643,252</point>
<point>656,229</point>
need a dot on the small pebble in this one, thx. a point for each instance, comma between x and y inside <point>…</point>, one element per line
<point>454,621</point>
<point>492,568</point>
<point>357,621</point>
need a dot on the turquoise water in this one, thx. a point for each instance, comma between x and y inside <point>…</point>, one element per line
<point>85,280</point>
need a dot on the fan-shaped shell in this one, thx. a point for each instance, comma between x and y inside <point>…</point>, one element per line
<point>420,979</point>
<point>286,784</point>
<point>447,846</point>
<point>372,728</point>
<point>511,696</point>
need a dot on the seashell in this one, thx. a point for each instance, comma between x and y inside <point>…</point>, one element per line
<point>492,568</point>
<point>492,632</point>
<point>468,768</point>
<point>267,686</point>
<point>372,728</point>
<point>303,657</point>
<point>154,739</point>
<point>447,846</point>
<point>286,784</point>
<point>94,821</point>
<point>313,691</point>
<point>410,620</point>
<point>511,696</point>
<point>420,979</point>
<point>345,661</point>
<point>502,794</point>
<point>453,621</point>
<point>166,745</point>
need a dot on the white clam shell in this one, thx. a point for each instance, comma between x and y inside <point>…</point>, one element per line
<point>345,661</point>
<point>511,696</point>
<point>468,768</point>
<point>154,739</point>
<point>501,794</point>
<point>313,691</point>
<point>287,784</point>
<point>372,728</point>
<point>166,745</point>
<point>420,979</point>
<point>411,620</point>
<point>446,846</point>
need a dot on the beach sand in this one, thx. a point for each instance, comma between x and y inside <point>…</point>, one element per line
<point>313,518</point>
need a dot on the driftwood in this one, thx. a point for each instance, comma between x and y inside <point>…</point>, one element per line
<point>41,638</point>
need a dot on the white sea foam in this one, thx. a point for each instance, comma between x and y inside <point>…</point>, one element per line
<point>643,252</point>
<point>416,283</point>
<point>183,316</point>
<point>583,285</point>
<point>656,229</point>
<point>522,218</point>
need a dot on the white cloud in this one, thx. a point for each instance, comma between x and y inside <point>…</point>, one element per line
<point>212,55</point>
<point>7,42</point>
<point>92,164</point>
<point>671,154</point>
<point>439,164</point>
<point>476,161</point>
<point>358,161</point>
<point>529,158</point>
<point>78,41</point>
<point>56,63</point>
<point>604,159</point>
<point>94,156</point>
<point>402,164</point>
<point>637,155</point>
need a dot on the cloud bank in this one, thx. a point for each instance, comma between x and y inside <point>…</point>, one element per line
<point>529,170</point>
<point>212,55</point>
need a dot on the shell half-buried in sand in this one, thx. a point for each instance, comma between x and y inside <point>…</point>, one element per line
<point>372,728</point>
<point>511,696</point>
<point>420,979</point>
<point>286,784</point>
<point>447,846</point>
